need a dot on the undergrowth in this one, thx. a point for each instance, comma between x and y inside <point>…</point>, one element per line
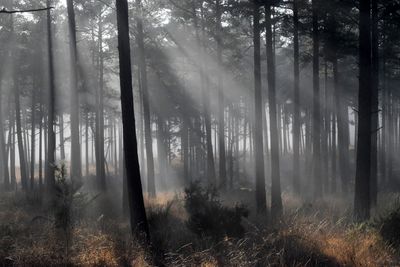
<point>306,237</point>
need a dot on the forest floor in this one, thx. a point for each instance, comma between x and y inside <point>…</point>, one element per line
<point>309,235</point>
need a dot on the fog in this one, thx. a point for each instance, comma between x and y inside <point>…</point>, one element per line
<point>287,108</point>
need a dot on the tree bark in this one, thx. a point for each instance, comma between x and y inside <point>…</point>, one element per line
<point>33,138</point>
<point>74,101</point>
<point>221,102</point>
<point>51,136</point>
<point>316,129</point>
<point>362,201</point>
<point>139,226</point>
<point>258,134</point>
<point>62,141</point>
<point>151,187</point>
<point>100,170</point>
<point>276,199</point>
<point>375,103</point>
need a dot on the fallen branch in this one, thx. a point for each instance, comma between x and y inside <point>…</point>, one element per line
<point>5,11</point>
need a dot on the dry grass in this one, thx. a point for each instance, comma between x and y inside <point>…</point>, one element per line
<point>309,235</point>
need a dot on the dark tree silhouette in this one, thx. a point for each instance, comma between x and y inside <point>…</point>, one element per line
<point>362,198</point>
<point>138,218</point>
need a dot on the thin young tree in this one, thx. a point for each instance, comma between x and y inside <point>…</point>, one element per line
<point>151,187</point>
<point>221,102</point>
<point>74,100</point>
<point>276,199</point>
<point>258,101</point>
<point>51,136</point>
<point>296,104</point>
<point>316,129</point>
<point>375,103</point>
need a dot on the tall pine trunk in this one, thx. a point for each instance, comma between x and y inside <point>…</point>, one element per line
<point>139,226</point>
<point>258,101</point>
<point>33,138</point>
<point>74,101</point>
<point>316,129</point>
<point>276,199</point>
<point>362,201</point>
<point>51,136</point>
<point>151,187</point>
<point>375,103</point>
<point>296,104</point>
<point>100,161</point>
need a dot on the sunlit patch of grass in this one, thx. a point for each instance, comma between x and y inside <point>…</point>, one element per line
<point>93,248</point>
<point>358,246</point>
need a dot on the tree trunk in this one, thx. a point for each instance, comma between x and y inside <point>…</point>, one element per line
<point>87,143</point>
<point>375,104</point>
<point>276,199</point>
<point>363,169</point>
<point>62,141</point>
<point>296,104</point>
<point>100,170</point>
<point>138,218</point>
<point>21,151</point>
<point>185,151</point>
<point>151,187</point>
<point>4,154</point>
<point>74,101</point>
<point>316,135</point>
<point>221,102</point>
<point>40,145</point>
<point>33,137</point>
<point>258,101</point>
<point>51,136</point>
<point>12,153</point>
<point>325,133</point>
<point>205,84</point>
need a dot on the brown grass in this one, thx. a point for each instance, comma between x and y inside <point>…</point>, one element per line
<point>309,235</point>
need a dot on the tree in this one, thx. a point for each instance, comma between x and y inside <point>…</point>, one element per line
<point>375,102</point>
<point>205,84</point>
<point>21,150</point>
<point>276,199</point>
<point>139,226</point>
<point>75,146</point>
<point>362,201</point>
<point>100,162</point>
<point>51,136</point>
<point>151,186</point>
<point>296,104</point>
<point>258,131</point>
<point>221,102</point>
<point>316,106</point>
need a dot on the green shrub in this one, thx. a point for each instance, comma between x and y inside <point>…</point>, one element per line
<point>208,217</point>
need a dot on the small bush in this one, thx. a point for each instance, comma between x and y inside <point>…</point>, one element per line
<point>208,217</point>
<point>389,226</point>
<point>69,203</point>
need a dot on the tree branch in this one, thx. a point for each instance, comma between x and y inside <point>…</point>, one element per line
<point>5,11</point>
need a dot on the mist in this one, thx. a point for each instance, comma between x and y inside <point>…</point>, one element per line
<point>199,133</point>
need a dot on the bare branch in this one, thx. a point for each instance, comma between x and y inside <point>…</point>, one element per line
<point>5,11</point>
